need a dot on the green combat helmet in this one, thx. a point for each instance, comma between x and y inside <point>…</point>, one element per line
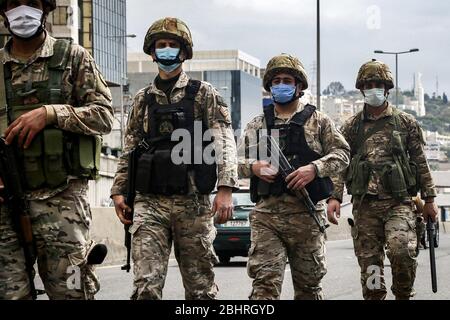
<point>375,71</point>
<point>49,3</point>
<point>169,28</point>
<point>285,63</point>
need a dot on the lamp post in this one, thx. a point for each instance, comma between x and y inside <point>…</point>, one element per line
<point>121,58</point>
<point>396,67</point>
<point>319,102</point>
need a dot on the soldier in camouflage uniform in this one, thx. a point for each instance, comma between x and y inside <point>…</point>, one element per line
<point>172,202</point>
<point>281,227</point>
<point>388,167</point>
<point>56,99</point>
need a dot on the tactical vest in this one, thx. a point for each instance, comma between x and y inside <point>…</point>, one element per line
<point>399,175</point>
<point>295,148</point>
<point>156,171</point>
<point>54,154</point>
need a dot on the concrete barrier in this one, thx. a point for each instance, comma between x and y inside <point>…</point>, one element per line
<point>107,229</point>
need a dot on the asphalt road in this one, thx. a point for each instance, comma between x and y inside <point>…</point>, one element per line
<point>341,282</point>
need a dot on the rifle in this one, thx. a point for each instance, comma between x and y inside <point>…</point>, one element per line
<point>131,195</point>
<point>133,158</point>
<point>19,208</point>
<point>431,230</point>
<point>286,169</point>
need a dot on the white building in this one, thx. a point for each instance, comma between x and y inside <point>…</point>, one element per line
<point>419,93</point>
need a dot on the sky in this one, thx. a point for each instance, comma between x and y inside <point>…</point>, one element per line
<point>351,31</point>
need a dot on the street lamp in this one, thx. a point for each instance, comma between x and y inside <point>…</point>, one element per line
<point>122,56</point>
<point>319,93</point>
<point>396,67</point>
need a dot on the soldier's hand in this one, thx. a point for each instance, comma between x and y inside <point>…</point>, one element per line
<point>26,127</point>
<point>2,189</point>
<point>300,178</point>
<point>223,205</point>
<point>265,171</point>
<point>334,211</point>
<point>122,210</point>
<point>430,210</point>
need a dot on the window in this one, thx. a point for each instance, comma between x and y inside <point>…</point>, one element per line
<point>60,16</point>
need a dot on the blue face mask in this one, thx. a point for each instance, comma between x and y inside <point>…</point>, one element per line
<point>283,93</point>
<point>166,55</point>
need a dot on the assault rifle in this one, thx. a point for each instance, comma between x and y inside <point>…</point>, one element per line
<point>286,169</point>
<point>18,206</point>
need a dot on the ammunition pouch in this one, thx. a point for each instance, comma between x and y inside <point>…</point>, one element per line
<point>54,155</point>
<point>205,177</point>
<point>156,174</point>
<point>394,181</point>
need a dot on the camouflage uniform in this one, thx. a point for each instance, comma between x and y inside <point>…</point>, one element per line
<point>185,220</point>
<point>61,217</point>
<point>281,226</point>
<point>380,221</point>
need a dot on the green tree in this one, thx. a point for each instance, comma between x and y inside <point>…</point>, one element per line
<point>334,89</point>
<point>444,98</point>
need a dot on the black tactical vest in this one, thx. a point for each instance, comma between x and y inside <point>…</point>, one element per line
<point>156,171</point>
<point>295,148</point>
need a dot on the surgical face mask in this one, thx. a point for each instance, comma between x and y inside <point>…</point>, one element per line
<point>24,21</point>
<point>167,59</point>
<point>375,97</point>
<point>283,93</point>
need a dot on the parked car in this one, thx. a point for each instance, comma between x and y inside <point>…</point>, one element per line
<point>233,237</point>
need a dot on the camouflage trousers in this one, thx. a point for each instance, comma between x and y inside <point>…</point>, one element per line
<point>277,238</point>
<point>390,225</point>
<point>61,232</point>
<point>187,223</point>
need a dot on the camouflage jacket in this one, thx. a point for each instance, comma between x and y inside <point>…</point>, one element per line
<point>209,107</point>
<point>88,109</point>
<point>321,135</point>
<point>378,150</point>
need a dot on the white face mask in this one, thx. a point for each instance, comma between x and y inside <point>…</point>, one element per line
<point>24,21</point>
<point>375,97</point>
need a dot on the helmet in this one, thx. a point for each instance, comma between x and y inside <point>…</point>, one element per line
<point>49,3</point>
<point>169,28</point>
<point>375,71</point>
<point>288,64</point>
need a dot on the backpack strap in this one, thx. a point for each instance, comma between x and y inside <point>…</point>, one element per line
<point>56,67</point>
<point>269,115</point>
<point>302,117</point>
<point>3,99</point>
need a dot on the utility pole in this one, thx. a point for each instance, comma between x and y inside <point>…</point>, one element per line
<point>319,102</point>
